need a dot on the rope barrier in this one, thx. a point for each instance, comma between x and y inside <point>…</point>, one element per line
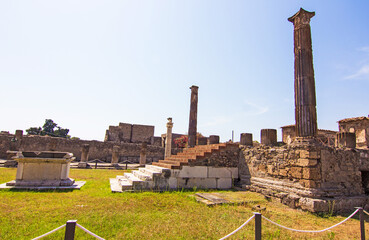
<point>312,231</point>
<point>365,212</point>
<point>44,235</point>
<point>238,228</point>
<point>89,232</point>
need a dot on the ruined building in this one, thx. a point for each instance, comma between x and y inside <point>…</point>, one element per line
<point>316,169</point>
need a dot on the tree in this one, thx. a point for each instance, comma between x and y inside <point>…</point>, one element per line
<point>49,128</point>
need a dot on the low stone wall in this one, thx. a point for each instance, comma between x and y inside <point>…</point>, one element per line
<point>98,150</point>
<point>307,176</point>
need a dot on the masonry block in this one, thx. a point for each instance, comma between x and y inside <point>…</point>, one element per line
<point>221,173</point>
<point>305,162</point>
<point>193,172</point>
<point>224,183</point>
<point>309,183</point>
<point>204,183</point>
<point>283,172</point>
<point>296,172</point>
<point>311,173</point>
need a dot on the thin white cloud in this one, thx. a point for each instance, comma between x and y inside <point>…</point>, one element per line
<point>254,109</point>
<point>361,74</point>
<point>364,49</point>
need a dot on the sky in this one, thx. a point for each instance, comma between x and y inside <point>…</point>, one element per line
<point>89,64</point>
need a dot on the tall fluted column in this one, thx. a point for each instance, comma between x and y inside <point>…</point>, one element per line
<point>192,126</point>
<point>168,139</point>
<point>305,100</point>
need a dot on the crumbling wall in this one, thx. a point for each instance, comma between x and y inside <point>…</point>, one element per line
<point>308,176</point>
<point>142,133</point>
<point>359,126</point>
<point>130,133</point>
<point>98,150</point>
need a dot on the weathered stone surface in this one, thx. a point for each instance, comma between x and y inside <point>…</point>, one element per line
<point>305,100</point>
<point>168,139</point>
<point>192,126</point>
<point>304,162</point>
<point>246,139</point>
<point>311,173</point>
<point>268,137</point>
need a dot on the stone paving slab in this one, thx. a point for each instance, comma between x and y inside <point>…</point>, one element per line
<point>213,198</point>
<point>77,185</point>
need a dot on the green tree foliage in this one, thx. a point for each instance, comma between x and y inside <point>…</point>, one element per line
<point>49,128</point>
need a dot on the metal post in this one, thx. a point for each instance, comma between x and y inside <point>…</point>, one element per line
<point>257,226</point>
<point>362,226</point>
<point>70,229</point>
<point>95,164</point>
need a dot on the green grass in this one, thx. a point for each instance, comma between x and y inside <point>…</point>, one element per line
<point>148,215</point>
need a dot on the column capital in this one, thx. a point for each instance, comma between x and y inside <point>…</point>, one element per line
<point>302,17</point>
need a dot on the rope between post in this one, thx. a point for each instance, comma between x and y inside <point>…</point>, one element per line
<point>312,231</point>
<point>365,212</point>
<point>44,235</point>
<point>238,228</point>
<point>89,232</point>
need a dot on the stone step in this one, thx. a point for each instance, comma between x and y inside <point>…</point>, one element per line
<point>124,183</point>
<point>165,165</point>
<point>141,175</point>
<point>151,172</point>
<point>132,178</point>
<point>173,162</point>
<point>157,168</point>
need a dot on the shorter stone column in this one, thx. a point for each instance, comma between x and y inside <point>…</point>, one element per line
<point>19,135</point>
<point>346,139</point>
<point>268,137</point>
<point>115,155</point>
<point>213,139</point>
<point>143,154</point>
<point>246,139</point>
<point>84,156</point>
<point>168,139</point>
<point>202,141</point>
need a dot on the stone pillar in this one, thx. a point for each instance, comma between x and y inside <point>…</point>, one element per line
<point>346,139</point>
<point>213,139</point>
<point>268,137</point>
<point>84,156</point>
<point>246,139</point>
<point>168,139</point>
<point>192,126</point>
<point>115,155</point>
<point>19,135</point>
<point>305,100</point>
<point>106,136</point>
<point>143,154</point>
<point>202,141</point>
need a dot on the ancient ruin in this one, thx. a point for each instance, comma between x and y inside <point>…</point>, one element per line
<point>312,169</point>
<point>192,125</point>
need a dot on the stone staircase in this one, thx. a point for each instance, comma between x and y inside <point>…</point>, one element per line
<point>190,156</point>
<point>179,171</point>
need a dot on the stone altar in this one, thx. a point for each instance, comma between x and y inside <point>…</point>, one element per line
<point>43,170</point>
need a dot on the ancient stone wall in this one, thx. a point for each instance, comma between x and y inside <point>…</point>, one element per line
<point>307,176</point>
<point>130,133</point>
<point>97,150</point>
<point>327,137</point>
<point>228,157</point>
<point>359,126</point>
<point>142,133</point>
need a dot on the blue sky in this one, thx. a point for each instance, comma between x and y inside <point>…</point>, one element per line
<point>90,64</point>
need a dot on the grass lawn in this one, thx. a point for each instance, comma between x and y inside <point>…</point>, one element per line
<point>148,215</point>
